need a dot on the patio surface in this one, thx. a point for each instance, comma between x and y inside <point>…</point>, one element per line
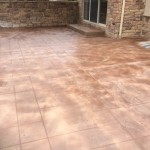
<point>62,91</point>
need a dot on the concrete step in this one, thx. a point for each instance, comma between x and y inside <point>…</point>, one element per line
<point>88,31</point>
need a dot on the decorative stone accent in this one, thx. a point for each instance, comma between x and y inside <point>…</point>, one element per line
<point>37,13</point>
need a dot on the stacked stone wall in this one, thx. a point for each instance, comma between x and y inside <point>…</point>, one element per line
<point>38,13</point>
<point>113,18</point>
<point>133,18</point>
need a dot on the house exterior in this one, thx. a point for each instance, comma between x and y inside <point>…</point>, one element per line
<point>119,18</point>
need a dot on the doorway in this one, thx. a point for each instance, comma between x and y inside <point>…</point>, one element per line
<point>95,11</point>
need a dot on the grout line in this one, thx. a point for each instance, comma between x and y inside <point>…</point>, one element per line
<point>40,113</point>
<point>134,139</point>
<point>2,148</point>
<point>17,121</point>
<point>123,127</point>
<point>29,76</point>
<point>17,118</point>
<point>15,100</point>
<point>24,143</point>
<point>96,127</point>
<point>23,57</point>
<point>68,133</point>
<point>110,144</point>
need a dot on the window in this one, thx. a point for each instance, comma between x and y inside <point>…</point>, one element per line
<point>95,11</point>
<point>147,8</point>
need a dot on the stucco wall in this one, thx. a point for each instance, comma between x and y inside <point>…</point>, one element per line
<point>37,13</point>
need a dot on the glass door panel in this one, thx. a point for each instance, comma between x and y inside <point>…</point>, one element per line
<point>103,11</point>
<point>94,11</point>
<point>86,9</point>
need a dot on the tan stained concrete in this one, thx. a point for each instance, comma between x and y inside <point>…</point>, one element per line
<point>60,90</point>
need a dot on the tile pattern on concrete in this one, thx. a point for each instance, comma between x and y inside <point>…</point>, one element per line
<point>60,90</point>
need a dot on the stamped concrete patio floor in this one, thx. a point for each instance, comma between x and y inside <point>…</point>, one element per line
<point>62,91</point>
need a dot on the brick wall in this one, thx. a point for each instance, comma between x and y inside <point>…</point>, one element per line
<point>37,13</point>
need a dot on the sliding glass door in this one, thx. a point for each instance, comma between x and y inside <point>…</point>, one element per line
<point>95,11</point>
<point>86,9</point>
<point>103,11</point>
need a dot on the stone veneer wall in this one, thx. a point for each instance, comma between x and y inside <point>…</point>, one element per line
<point>38,13</point>
<point>133,18</point>
<point>113,18</point>
<point>134,23</point>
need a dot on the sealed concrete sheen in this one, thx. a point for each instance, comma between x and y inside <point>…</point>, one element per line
<point>60,90</point>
